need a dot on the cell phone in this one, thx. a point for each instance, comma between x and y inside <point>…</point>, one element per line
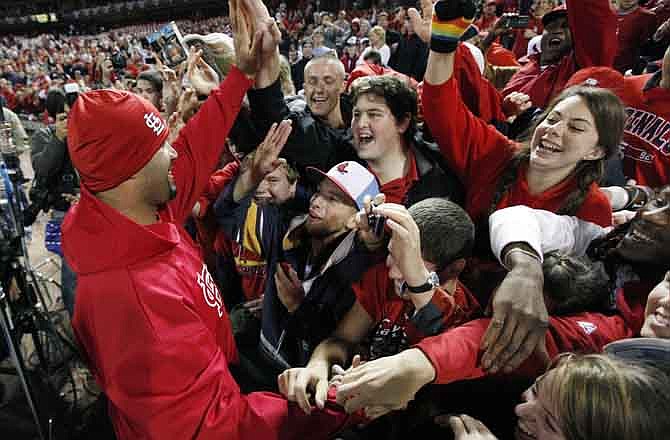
<point>518,21</point>
<point>168,44</point>
<point>376,223</point>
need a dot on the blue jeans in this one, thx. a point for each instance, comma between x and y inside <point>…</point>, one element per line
<point>68,279</point>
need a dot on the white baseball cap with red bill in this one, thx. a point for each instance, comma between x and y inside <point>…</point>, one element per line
<point>353,179</point>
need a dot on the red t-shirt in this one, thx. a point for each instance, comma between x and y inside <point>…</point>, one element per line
<point>396,190</point>
<point>394,329</point>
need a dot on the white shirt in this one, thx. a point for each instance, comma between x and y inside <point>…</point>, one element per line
<point>384,51</point>
<point>542,230</point>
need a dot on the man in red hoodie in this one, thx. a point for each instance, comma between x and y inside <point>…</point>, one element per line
<point>149,318</point>
<point>584,35</point>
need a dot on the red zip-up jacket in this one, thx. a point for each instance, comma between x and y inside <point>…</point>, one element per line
<point>593,26</point>
<point>455,354</point>
<point>150,319</point>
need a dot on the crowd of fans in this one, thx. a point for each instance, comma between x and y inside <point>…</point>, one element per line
<point>388,202</point>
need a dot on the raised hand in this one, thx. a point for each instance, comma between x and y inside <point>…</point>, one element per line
<point>266,156</point>
<point>405,245</point>
<point>203,78</point>
<point>263,161</point>
<point>448,22</point>
<point>421,20</point>
<point>247,39</point>
<point>361,223</point>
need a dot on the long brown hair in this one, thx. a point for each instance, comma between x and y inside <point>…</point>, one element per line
<point>598,397</point>
<point>609,116</point>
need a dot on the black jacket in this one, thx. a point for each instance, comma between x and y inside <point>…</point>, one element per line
<point>312,141</point>
<point>54,173</point>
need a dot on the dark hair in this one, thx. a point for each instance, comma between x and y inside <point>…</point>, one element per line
<point>609,116</point>
<point>373,57</point>
<point>399,97</point>
<point>56,100</point>
<point>154,78</point>
<point>575,284</point>
<point>446,230</point>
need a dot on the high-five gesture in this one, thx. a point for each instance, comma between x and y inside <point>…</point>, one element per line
<point>444,24</point>
<point>247,39</point>
<point>264,160</point>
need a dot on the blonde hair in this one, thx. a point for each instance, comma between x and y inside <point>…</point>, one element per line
<point>379,32</point>
<point>598,397</point>
<point>287,87</point>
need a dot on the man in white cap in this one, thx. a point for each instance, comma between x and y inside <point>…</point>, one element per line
<point>312,259</point>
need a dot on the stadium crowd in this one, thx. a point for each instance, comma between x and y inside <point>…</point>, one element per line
<point>361,223</point>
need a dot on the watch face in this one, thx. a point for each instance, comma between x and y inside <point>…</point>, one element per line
<point>434,280</point>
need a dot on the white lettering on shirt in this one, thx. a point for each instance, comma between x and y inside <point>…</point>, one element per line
<point>210,291</point>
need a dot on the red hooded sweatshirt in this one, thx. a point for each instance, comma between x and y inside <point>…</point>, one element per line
<point>150,319</point>
<point>593,26</point>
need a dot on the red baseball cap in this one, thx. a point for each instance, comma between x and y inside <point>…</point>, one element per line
<point>557,12</point>
<point>604,77</point>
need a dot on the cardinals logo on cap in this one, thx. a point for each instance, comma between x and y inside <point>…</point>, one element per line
<point>342,168</point>
<point>154,122</point>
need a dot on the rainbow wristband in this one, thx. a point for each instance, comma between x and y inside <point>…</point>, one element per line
<point>444,35</point>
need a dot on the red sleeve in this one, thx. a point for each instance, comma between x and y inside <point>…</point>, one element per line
<point>370,291</point>
<point>593,25</point>
<point>471,146</point>
<point>217,182</point>
<point>201,141</point>
<point>477,93</point>
<point>596,207</point>
<point>455,354</point>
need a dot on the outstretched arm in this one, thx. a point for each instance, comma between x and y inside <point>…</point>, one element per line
<point>593,25</point>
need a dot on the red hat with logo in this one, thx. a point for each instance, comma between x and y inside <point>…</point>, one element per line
<point>604,77</point>
<point>557,12</point>
<point>111,135</point>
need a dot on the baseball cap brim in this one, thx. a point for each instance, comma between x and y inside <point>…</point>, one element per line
<point>316,175</point>
<point>554,14</point>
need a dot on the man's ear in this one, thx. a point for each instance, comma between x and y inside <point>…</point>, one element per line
<point>403,124</point>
